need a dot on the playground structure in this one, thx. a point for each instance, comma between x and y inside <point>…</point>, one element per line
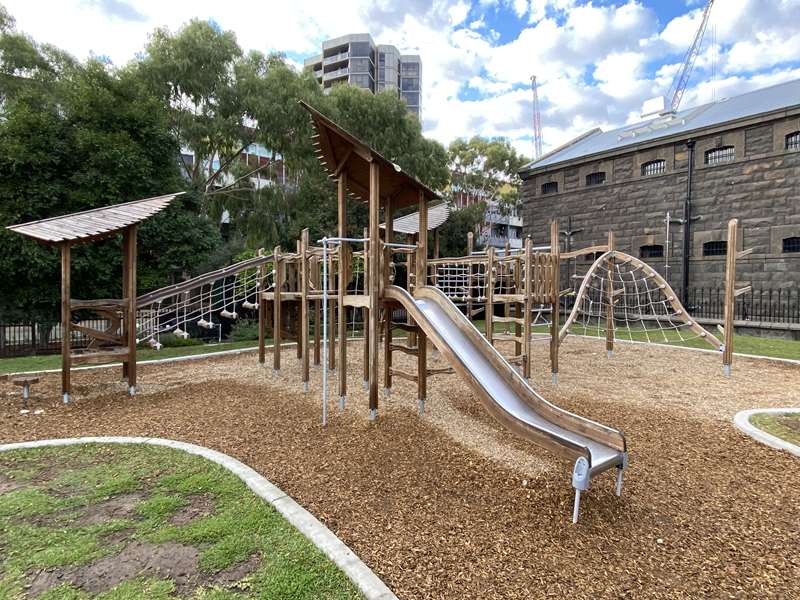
<point>334,283</point>
<point>118,341</point>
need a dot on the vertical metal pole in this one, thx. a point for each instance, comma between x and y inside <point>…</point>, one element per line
<point>687,223</point>
<point>325,331</point>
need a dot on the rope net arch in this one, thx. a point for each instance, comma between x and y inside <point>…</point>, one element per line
<point>623,298</point>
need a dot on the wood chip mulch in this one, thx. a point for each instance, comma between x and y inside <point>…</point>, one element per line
<point>449,505</point>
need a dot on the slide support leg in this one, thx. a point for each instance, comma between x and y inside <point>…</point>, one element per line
<point>576,509</point>
<point>580,481</point>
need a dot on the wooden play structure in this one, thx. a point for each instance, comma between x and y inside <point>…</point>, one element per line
<point>117,342</point>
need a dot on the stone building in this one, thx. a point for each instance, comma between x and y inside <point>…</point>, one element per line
<point>745,163</point>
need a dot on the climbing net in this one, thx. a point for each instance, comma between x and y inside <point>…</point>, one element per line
<point>186,309</point>
<point>461,281</point>
<point>625,295</point>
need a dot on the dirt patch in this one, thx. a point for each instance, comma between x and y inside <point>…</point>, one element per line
<point>790,422</point>
<point>118,507</point>
<point>200,505</point>
<point>230,577</point>
<point>9,485</point>
<point>138,559</point>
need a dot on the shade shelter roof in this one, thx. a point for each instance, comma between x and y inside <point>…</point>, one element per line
<point>341,152</point>
<point>94,224</point>
<point>409,224</point>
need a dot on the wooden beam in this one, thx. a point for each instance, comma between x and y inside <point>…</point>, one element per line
<point>421,282</point>
<point>388,218</point>
<point>277,330</point>
<point>66,321</point>
<point>342,164</point>
<point>610,300</point>
<point>129,243</point>
<point>730,296</point>
<point>555,312</point>
<point>374,284</point>
<point>304,313</point>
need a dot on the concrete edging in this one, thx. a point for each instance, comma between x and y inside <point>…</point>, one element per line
<point>323,538</point>
<point>742,423</point>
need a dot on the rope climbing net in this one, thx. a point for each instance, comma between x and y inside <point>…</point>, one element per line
<point>201,303</point>
<point>622,296</point>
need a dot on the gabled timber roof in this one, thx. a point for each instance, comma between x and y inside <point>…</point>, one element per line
<point>339,151</point>
<point>93,224</point>
<point>783,96</point>
<point>409,224</point>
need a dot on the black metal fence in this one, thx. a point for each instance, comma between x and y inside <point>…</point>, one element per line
<point>776,306</point>
<point>27,338</point>
<point>759,306</point>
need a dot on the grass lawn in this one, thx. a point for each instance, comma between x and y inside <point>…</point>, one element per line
<point>118,522</point>
<point>53,361</point>
<point>742,344</point>
<point>785,427</point>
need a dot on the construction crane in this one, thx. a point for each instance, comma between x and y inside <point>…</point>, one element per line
<point>682,76</point>
<point>537,121</point>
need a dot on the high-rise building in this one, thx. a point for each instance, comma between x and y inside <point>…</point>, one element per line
<point>357,60</point>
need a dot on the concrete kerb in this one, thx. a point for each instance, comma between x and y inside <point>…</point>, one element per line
<point>743,424</point>
<point>323,538</point>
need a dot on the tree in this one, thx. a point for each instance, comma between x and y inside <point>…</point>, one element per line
<point>88,136</point>
<point>486,169</point>
<point>453,234</point>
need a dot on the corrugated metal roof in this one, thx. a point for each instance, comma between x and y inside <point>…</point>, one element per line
<point>409,224</point>
<point>93,224</point>
<point>776,97</point>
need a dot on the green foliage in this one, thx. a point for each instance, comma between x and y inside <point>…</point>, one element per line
<point>453,234</point>
<point>487,169</point>
<point>244,330</point>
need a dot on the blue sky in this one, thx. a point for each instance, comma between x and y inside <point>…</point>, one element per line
<point>596,61</point>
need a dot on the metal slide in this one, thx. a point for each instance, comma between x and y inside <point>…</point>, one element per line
<point>507,395</point>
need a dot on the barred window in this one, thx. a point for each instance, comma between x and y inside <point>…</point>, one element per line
<point>654,167</point>
<point>793,141</point>
<point>551,187</point>
<point>723,154</point>
<point>651,251</point>
<point>718,248</point>
<point>596,178</point>
<point>791,244</point>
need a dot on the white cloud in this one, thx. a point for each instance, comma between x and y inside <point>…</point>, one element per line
<point>595,61</point>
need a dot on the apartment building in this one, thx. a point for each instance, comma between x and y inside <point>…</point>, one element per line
<point>355,59</point>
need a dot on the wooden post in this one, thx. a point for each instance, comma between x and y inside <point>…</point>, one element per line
<point>66,321</point>
<point>387,309</point>
<point>555,310</point>
<point>527,306</point>
<point>470,248</point>
<point>730,296</point>
<point>304,281</point>
<point>125,294</point>
<point>344,278</point>
<point>489,312</point>
<point>374,284</point>
<point>262,313</point>
<point>411,274</point>
<point>365,311</point>
<point>276,310</point>
<point>610,300</point>
<point>421,277</point>
<point>129,295</point>
<point>436,243</point>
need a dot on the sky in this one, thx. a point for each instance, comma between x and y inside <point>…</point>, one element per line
<point>595,61</point>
